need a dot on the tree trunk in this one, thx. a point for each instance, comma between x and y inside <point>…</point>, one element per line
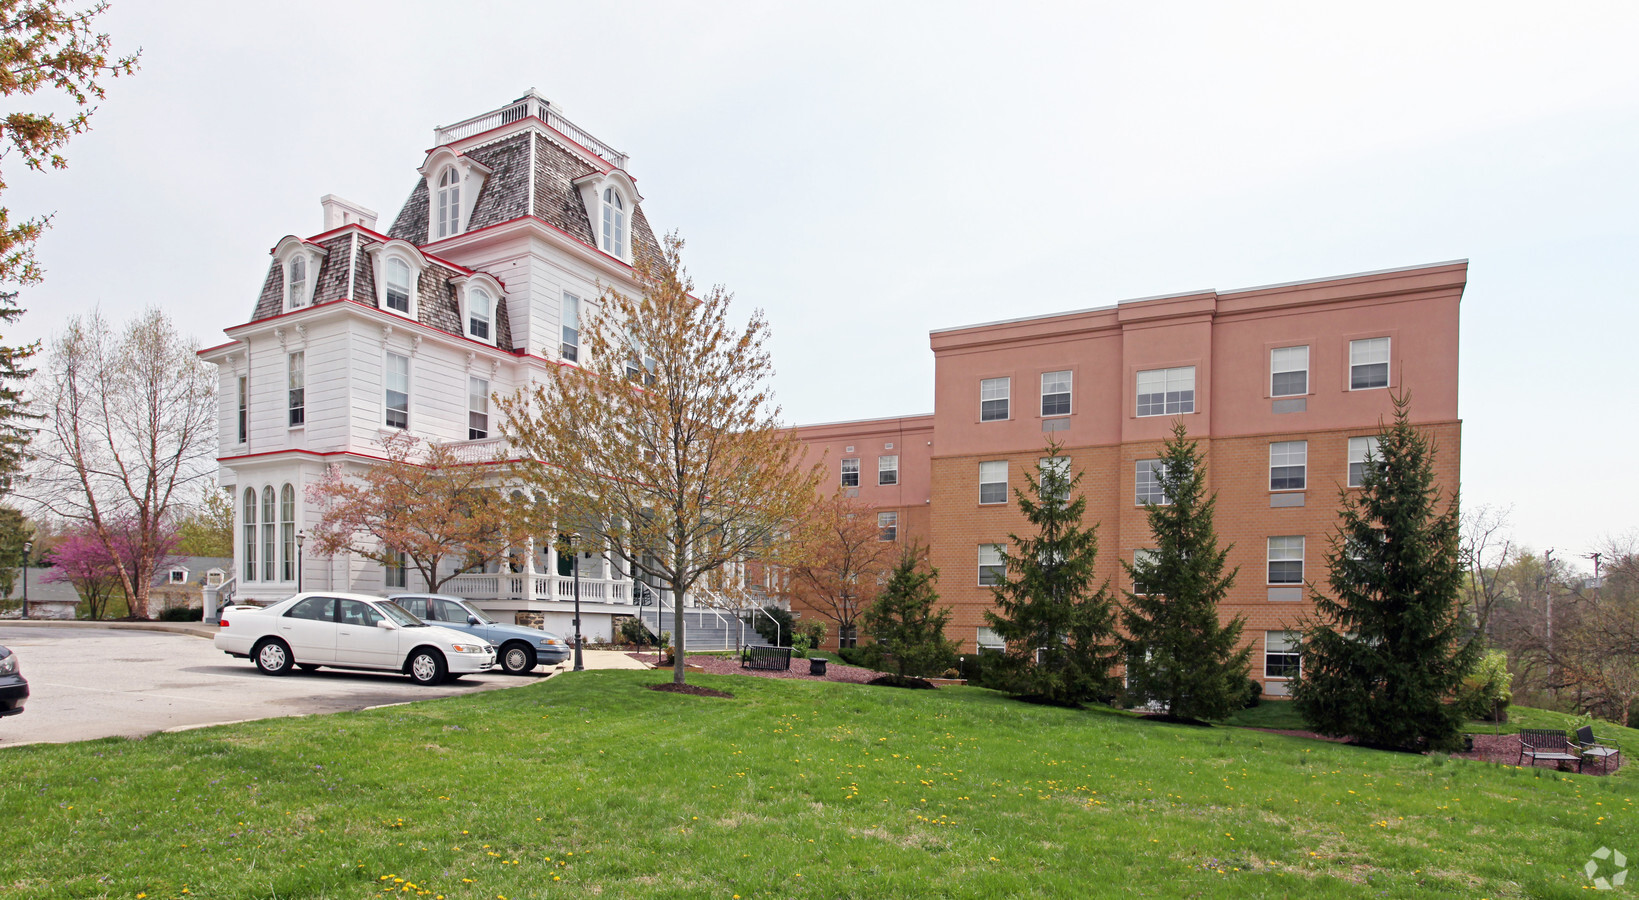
<point>677,633</point>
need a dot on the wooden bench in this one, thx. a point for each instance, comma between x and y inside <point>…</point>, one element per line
<point>1549,744</point>
<point>773,659</point>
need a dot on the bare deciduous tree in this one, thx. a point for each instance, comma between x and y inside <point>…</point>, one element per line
<point>1485,549</point>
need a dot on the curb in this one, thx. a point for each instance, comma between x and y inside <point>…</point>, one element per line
<point>196,629</point>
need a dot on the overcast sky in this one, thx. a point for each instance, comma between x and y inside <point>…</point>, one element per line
<point>868,172</point>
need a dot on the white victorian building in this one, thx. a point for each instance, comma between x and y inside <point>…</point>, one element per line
<point>477,287</point>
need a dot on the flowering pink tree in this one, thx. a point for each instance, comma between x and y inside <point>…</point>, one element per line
<point>85,561</point>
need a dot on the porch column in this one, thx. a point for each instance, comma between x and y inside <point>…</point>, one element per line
<point>529,571</point>
<point>552,569</point>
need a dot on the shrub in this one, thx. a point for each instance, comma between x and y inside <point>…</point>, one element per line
<point>787,625</point>
<point>1485,693</point>
<point>1254,693</point>
<point>181,614</point>
<point>633,631</point>
<point>856,656</point>
<point>800,645</point>
<point>813,629</point>
<point>986,668</point>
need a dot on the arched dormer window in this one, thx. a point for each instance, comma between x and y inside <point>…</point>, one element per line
<point>296,279</point>
<point>449,203</point>
<point>398,266</point>
<point>614,223</point>
<point>397,292</point>
<point>480,312</point>
<point>299,262</point>
<point>479,298</point>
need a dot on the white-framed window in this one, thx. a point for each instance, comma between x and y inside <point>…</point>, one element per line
<point>178,576</point>
<point>244,409</point>
<point>887,526</point>
<point>1055,393</point>
<point>1142,557</point>
<point>1060,466</point>
<point>1166,392</point>
<point>298,389</point>
<point>1147,483</point>
<point>287,533</point>
<point>1359,449</point>
<point>993,397</point>
<point>449,202</point>
<point>992,568</point>
<point>1368,363</point>
<point>1282,654</point>
<point>480,311</point>
<point>614,223</point>
<point>477,408</point>
<point>1286,559</point>
<point>570,348</point>
<point>394,571</point>
<point>1289,371</point>
<point>850,472</point>
<point>397,292</point>
<point>296,282</point>
<point>887,469</point>
<point>993,481</point>
<point>987,639</point>
<point>250,534</point>
<point>270,534</point>
<point>1288,465</point>
<point>396,380</point>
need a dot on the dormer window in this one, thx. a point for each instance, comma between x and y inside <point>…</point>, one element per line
<point>479,310</point>
<point>398,285</point>
<point>298,282</point>
<point>449,203</point>
<point>478,298</point>
<point>299,262</point>
<point>614,223</point>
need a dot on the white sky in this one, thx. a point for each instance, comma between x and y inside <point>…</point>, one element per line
<point>869,171</point>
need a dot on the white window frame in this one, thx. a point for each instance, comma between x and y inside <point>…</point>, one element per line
<point>287,532</point>
<point>381,257</point>
<point>850,466</point>
<point>615,220</point>
<point>1062,465</point>
<point>296,380</point>
<point>1175,387</point>
<point>270,533</point>
<point>473,291</point>
<point>887,526</point>
<point>1284,549</point>
<point>178,576</point>
<point>394,571</point>
<point>480,315</point>
<point>985,638</point>
<point>1370,352</point>
<point>993,475</point>
<point>243,419</point>
<point>393,264</point>
<point>1285,361</point>
<point>1359,449</point>
<point>388,376</point>
<point>1287,646</point>
<point>992,565</point>
<point>477,408</point>
<point>994,391</point>
<point>1147,483</point>
<point>1063,384</point>
<point>569,327</point>
<point>290,249</point>
<point>447,203</point>
<point>249,515</point>
<point>1285,457</point>
<point>887,470</point>
<point>1142,555</point>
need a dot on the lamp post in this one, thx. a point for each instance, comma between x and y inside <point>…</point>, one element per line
<point>574,539</point>
<point>301,538</point>
<point>28,546</point>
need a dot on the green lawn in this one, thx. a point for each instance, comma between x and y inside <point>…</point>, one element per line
<point>587,784</point>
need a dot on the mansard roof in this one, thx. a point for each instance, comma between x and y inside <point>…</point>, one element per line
<point>436,303</point>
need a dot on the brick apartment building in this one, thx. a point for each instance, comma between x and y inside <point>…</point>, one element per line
<point>1282,385</point>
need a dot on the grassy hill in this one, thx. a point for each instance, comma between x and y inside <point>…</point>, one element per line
<point>589,784</point>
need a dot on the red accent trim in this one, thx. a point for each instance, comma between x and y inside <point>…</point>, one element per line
<point>592,247</point>
<point>394,318</point>
<point>214,349</point>
<point>385,238</point>
<point>229,460</point>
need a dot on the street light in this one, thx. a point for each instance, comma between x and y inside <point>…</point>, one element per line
<point>27,547</point>
<point>301,538</point>
<point>572,540</point>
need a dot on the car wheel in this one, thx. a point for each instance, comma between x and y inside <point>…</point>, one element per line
<point>517,659</point>
<point>272,657</point>
<point>427,667</point>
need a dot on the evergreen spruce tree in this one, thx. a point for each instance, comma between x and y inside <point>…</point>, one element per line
<point>1178,652</point>
<point>908,633</point>
<point>1387,651</point>
<point>1059,630</point>
<point>17,423</point>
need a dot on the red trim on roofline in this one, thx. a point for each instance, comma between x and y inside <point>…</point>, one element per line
<point>214,349</point>
<point>362,305</point>
<point>384,239</point>
<point>229,460</point>
<point>593,247</point>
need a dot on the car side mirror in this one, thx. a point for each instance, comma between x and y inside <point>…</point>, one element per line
<point>385,623</point>
<point>473,620</point>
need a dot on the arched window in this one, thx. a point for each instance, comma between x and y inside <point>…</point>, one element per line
<point>614,223</point>
<point>287,533</point>
<point>250,534</point>
<point>479,311</point>
<point>298,282</point>
<point>398,285</point>
<point>270,527</point>
<point>449,203</point>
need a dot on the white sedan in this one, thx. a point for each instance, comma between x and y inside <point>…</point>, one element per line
<point>349,631</point>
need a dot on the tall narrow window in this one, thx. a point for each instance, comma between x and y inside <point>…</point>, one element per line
<point>1286,560</point>
<point>394,569</point>
<point>1282,654</point>
<point>298,391</point>
<point>449,203</point>
<point>850,473</point>
<point>287,533</point>
<point>479,310</point>
<point>244,409</point>
<point>397,379</point>
<point>250,534</point>
<point>270,534</point>
<point>1288,465</point>
<point>1166,392</point>
<point>477,409</point>
<point>1369,363</point>
<point>614,223</point>
<point>887,469</point>
<point>1289,371</point>
<point>992,568</point>
<point>1055,394</point>
<point>887,526</point>
<point>1359,449</point>
<point>571,328</point>
<point>993,397</point>
<point>1141,558</point>
<point>1147,484</point>
<point>993,481</point>
<point>298,282</point>
<point>398,285</point>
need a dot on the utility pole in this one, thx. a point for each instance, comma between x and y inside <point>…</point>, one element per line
<point>1596,556</point>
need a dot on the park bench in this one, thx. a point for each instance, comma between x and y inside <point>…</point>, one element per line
<point>1593,748</point>
<point>1549,744</point>
<point>774,659</point>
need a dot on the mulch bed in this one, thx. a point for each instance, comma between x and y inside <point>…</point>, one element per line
<point>691,689</point>
<point>727,665</point>
<point>1500,749</point>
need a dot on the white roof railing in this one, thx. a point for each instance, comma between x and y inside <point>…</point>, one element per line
<point>530,104</point>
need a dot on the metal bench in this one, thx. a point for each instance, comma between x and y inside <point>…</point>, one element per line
<point>773,659</point>
<point>1549,744</point>
<point>1593,748</point>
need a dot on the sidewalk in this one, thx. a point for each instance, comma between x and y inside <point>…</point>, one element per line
<point>197,629</point>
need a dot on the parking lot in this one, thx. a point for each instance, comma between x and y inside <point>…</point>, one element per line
<point>103,682</point>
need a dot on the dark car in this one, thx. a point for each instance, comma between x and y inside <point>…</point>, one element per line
<point>13,687</point>
<point>519,648</point>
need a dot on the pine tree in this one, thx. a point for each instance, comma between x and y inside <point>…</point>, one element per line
<point>1387,650</point>
<point>17,423</point>
<point>908,633</point>
<point>1178,652</point>
<point>1059,630</point>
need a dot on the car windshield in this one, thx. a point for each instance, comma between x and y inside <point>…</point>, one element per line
<point>399,614</point>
